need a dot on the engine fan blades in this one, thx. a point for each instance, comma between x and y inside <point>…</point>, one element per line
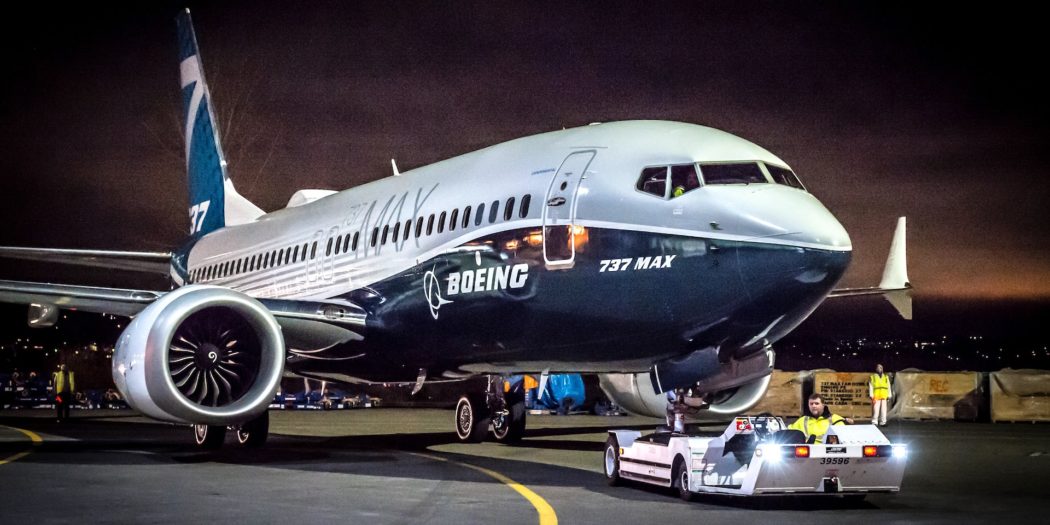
<point>214,357</point>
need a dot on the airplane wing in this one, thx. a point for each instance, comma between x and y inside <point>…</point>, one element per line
<point>307,325</point>
<point>147,262</point>
<point>84,298</point>
<point>894,285</point>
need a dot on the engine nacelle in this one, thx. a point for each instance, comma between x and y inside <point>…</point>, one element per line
<point>200,354</point>
<point>737,387</point>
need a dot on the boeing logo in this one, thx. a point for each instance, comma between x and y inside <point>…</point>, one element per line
<point>432,291</point>
<point>486,279</point>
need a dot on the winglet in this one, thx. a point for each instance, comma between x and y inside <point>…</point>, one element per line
<point>393,164</point>
<point>895,275</point>
<point>895,286</point>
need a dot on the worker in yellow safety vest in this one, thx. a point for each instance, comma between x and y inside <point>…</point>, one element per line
<point>65,388</point>
<point>880,393</point>
<point>816,423</point>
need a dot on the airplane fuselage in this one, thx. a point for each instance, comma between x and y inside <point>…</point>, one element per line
<point>546,252</point>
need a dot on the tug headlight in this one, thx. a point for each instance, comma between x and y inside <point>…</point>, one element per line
<point>771,453</point>
<point>900,451</point>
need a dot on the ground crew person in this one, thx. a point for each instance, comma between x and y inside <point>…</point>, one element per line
<point>65,386</point>
<point>880,393</point>
<point>816,422</point>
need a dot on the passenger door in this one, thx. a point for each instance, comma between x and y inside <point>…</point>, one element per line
<point>559,211</point>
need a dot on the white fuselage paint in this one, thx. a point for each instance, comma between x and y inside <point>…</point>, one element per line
<point>764,213</point>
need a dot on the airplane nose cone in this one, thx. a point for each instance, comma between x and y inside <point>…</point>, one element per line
<point>827,230</point>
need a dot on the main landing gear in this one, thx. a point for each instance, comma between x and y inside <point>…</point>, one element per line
<point>502,409</point>
<point>252,434</point>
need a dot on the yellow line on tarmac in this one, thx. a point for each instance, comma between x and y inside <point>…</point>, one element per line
<point>37,440</point>
<point>545,511</point>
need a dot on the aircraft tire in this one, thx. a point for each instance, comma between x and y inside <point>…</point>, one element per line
<point>472,418</point>
<point>513,430</point>
<point>253,434</point>
<point>209,437</point>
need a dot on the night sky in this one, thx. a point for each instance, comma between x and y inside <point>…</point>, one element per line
<point>883,109</point>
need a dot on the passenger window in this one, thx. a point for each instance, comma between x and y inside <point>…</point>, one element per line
<point>375,236</point>
<point>453,219</point>
<point>357,236</point>
<point>419,227</point>
<point>784,176</point>
<point>430,224</point>
<point>338,243</point>
<point>480,215</point>
<point>466,217</point>
<point>508,210</point>
<point>328,248</point>
<point>346,243</point>
<point>654,181</point>
<point>408,229</point>
<point>493,212</point>
<point>525,206</point>
<point>441,222</point>
<point>396,232</point>
<point>386,230</point>
<point>739,173</point>
<point>683,180</point>
<point>313,250</point>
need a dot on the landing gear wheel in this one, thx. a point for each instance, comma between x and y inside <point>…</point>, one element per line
<point>612,462</point>
<point>209,437</point>
<point>472,418</point>
<point>510,428</point>
<point>253,434</point>
<point>681,479</point>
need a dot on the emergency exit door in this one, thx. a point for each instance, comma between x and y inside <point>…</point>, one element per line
<point>559,210</point>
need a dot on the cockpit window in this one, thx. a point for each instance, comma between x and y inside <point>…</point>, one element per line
<point>654,180</point>
<point>784,176</point>
<point>738,173</point>
<point>683,180</point>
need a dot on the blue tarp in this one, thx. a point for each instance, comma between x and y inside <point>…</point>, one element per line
<point>560,387</point>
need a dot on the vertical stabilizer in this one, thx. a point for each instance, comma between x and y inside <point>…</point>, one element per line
<point>214,202</point>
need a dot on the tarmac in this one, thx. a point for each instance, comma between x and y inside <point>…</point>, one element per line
<point>405,466</point>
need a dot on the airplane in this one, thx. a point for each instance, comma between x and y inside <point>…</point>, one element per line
<point>659,255</point>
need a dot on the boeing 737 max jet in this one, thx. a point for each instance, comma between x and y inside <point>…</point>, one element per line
<point>659,255</point>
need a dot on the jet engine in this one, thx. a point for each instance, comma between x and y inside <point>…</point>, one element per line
<point>733,389</point>
<point>200,354</point>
